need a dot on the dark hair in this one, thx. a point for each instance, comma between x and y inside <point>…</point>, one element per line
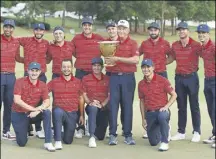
<point>68,60</point>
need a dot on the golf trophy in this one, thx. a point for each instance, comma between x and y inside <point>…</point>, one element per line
<point>108,49</point>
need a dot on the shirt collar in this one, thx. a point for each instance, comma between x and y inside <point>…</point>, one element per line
<point>92,37</point>
<point>37,40</point>
<point>62,45</point>
<point>207,44</point>
<point>126,40</point>
<point>6,39</point>
<point>189,41</point>
<point>153,43</point>
<point>95,78</point>
<point>109,39</point>
<point>37,84</point>
<point>63,79</point>
<point>153,79</point>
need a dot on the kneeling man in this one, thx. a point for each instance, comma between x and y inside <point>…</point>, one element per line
<point>154,104</point>
<point>96,95</point>
<point>67,97</point>
<point>28,91</point>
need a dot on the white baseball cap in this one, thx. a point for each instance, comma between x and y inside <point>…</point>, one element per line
<point>123,23</point>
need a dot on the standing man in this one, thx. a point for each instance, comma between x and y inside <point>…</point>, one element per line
<point>154,104</point>
<point>10,53</point>
<point>67,91</point>
<point>186,53</point>
<point>35,49</point>
<point>58,51</point>
<point>28,91</point>
<point>209,58</point>
<point>96,95</point>
<point>86,48</point>
<point>111,28</point>
<point>156,48</point>
<point>122,82</point>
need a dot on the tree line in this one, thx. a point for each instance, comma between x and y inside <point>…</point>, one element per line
<point>136,12</point>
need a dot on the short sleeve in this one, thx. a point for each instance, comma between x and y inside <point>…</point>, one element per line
<point>168,49</point>
<point>84,89</point>
<point>45,93</point>
<point>135,49</point>
<point>140,92</point>
<point>167,86</point>
<point>18,87</point>
<point>23,40</point>
<point>50,86</point>
<point>172,52</point>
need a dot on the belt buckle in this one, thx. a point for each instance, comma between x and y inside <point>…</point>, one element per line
<point>120,73</point>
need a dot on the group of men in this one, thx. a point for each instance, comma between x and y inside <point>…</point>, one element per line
<point>26,100</point>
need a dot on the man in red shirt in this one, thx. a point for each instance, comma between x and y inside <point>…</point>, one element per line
<point>122,82</point>
<point>10,53</point>
<point>156,48</point>
<point>86,47</point>
<point>58,51</point>
<point>35,49</point>
<point>28,91</point>
<point>154,104</point>
<point>67,91</point>
<point>186,53</point>
<point>96,95</point>
<point>208,55</point>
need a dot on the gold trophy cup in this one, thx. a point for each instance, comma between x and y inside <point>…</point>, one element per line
<point>108,49</point>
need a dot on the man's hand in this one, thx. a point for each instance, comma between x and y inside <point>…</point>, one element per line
<point>144,125</point>
<point>163,109</point>
<point>81,120</point>
<point>33,114</point>
<point>40,108</point>
<point>52,42</point>
<point>111,60</point>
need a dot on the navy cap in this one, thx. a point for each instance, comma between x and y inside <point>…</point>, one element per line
<point>97,60</point>
<point>9,22</point>
<point>111,24</point>
<point>147,62</point>
<point>87,20</point>
<point>154,25</point>
<point>58,28</point>
<point>203,28</point>
<point>39,26</point>
<point>34,65</point>
<point>183,25</point>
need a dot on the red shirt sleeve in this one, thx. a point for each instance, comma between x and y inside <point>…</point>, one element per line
<point>140,93</point>
<point>135,49</point>
<point>168,49</point>
<point>18,87</point>
<point>45,93</point>
<point>172,52</point>
<point>84,89</point>
<point>167,86</point>
<point>23,40</point>
<point>50,86</point>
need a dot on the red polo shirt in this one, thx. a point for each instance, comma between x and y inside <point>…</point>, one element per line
<point>34,51</point>
<point>187,58</point>
<point>66,93</point>
<point>157,52</point>
<point>208,55</point>
<point>10,52</point>
<point>58,53</point>
<point>85,50</point>
<point>30,94</point>
<point>154,93</point>
<point>127,48</point>
<point>96,89</point>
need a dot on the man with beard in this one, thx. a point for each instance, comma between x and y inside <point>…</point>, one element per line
<point>58,51</point>
<point>35,49</point>
<point>28,91</point>
<point>10,52</point>
<point>86,48</point>
<point>67,91</point>
<point>208,55</point>
<point>96,95</point>
<point>111,28</point>
<point>186,53</point>
<point>154,104</point>
<point>122,82</point>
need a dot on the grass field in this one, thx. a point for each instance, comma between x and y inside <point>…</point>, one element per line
<point>79,150</point>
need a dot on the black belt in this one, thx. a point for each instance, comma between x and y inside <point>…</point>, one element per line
<point>186,75</point>
<point>121,73</point>
<point>153,110</point>
<point>210,78</point>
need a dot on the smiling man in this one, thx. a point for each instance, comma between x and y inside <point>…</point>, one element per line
<point>209,58</point>
<point>186,53</point>
<point>96,95</point>
<point>28,91</point>
<point>154,104</point>
<point>10,53</point>
<point>86,48</point>
<point>122,82</point>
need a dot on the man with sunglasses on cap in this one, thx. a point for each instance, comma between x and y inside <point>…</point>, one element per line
<point>96,95</point>
<point>10,53</point>
<point>209,58</point>
<point>86,47</point>
<point>186,53</point>
<point>122,82</point>
<point>154,104</point>
<point>59,50</point>
<point>35,49</point>
<point>28,91</point>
